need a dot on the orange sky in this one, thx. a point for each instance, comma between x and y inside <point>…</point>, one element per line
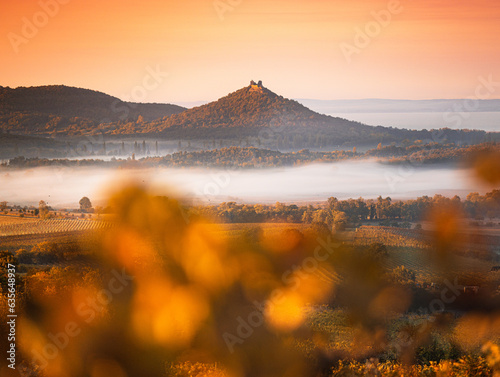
<point>431,49</point>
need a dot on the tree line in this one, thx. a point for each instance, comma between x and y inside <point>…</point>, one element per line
<point>341,213</point>
<point>251,157</point>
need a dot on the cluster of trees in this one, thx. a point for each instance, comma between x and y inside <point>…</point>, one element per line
<point>44,211</point>
<point>236,157</point>
<point>474,206</point>
<point>432,152</point>
<point>22,211</point>
<point>408,148</point>
<point>232,212</point>
<point>335,212</point>
<point>340,213</point>
<point>251,157</point>
<point>23,162</point>
<point>42,253</point>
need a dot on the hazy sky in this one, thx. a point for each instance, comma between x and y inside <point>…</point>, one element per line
<point>428,49</point>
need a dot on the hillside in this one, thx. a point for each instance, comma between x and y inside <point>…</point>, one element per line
<point>247,112</point>
<point>254,114</point>
<point>62,110</point>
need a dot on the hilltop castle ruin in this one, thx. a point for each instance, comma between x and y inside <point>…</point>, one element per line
<point>256,87</point>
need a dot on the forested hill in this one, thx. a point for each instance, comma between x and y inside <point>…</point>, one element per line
<point>256,113</point>
<point>253,113</point>
<point>63,110</point>
<point>246,112</point>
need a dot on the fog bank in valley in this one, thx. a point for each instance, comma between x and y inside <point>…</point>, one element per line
<point>63,187</point>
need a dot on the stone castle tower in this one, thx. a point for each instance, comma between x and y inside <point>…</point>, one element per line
<point>254,86</point>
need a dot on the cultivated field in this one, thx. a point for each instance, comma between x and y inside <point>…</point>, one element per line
<point>33,227</point>
<point>475,254</point>
<point>408,248</point>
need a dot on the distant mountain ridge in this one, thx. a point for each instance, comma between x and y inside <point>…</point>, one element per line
<point>63,110</point>
<point>253,113</point>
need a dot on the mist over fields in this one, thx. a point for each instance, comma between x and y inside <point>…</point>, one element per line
<point>63,187</point>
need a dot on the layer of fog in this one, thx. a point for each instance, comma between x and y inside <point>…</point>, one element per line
<point>63,187</point>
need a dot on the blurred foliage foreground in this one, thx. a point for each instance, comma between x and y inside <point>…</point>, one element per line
<point>168,293</point>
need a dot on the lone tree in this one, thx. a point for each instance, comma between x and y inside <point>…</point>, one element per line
<point>85,204</point>
<point>43,210</point>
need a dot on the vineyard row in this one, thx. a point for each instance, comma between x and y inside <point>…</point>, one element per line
<point>51,226</point>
